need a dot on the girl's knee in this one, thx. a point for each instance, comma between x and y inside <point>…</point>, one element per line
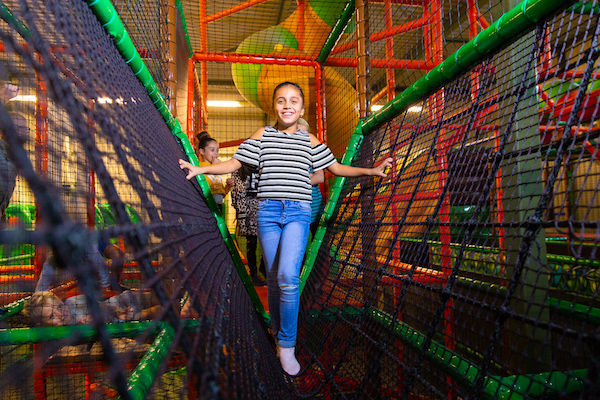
<point>288,281</point>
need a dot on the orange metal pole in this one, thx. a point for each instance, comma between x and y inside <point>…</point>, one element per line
<point>319,100</point>
<point>482,21</point>
<point>190,101</point>
<point>232,10</point>
<point>389,50</point>
<point>472,14</point>
<point>391,31</point>
<point>363,56</point>
<point>255,59</point>
<point>414,3</point>
<point>379,95</point>
<point>426,34</point>
<point>499,205</point>
<point>388,32</point>
<point>323,187</point>
<point>203,66</point>
<point>300,26</point>
<point>39,377</point>
<point>91,196</point>
<point>41,155</point>
<point>380,63</point>
<point>231,143</point>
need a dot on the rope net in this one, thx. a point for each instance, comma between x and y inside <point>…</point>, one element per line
<point>97,170</point>
<point>472,272</point>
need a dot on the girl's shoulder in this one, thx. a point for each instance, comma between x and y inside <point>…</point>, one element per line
<point>314,140</point>
<point>258,134</point>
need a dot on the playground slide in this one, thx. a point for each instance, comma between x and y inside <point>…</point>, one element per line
<point>256,82</point>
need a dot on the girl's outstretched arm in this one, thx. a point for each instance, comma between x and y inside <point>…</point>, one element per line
<point>225,167</point>
<point>346,170</point>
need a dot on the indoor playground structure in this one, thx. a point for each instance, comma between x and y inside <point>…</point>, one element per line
<point>472,272</point>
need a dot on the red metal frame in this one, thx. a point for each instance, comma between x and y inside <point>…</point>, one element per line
<point>272,60</point>
<point>41,153</point>
<point>190,101</point>
<point>203,73</point>
<point>379,63</point>
<point>387,33</point>
<point>413,3</point>
<point>231,10</point>
<point>389,51</point>
<point>379,95</point>
<point>91,176</point>
<point>301,27</point>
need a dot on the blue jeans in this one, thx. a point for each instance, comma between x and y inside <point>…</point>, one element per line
<point>283,227</point>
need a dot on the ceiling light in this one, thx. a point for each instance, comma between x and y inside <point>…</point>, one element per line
<point>415,109</point>
<point>223,103</point>
<point>105,100</point>
<point>376,107</point>
<point>30,97</point>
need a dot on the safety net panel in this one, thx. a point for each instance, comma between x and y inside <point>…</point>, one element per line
<point>147,24</point>
<point>473,271</point>
<point>115,279</point>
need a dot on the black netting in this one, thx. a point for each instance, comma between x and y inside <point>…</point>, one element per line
<point>472,272</point>
<point>95,167</point>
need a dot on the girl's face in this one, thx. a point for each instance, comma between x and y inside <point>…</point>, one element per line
<point>210,152</point>
<point>288,106</point>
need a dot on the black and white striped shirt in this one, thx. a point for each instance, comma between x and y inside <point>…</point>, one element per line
<point>283,160</point>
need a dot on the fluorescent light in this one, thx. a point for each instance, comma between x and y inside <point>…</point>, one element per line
<point>105,100</point>
<point>30,97</point>
<point>223,103</point>
<point>376,107</point>
<point>415,109</point>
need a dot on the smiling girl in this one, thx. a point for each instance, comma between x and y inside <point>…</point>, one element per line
<point>208,152</point>
<point>284,155</point>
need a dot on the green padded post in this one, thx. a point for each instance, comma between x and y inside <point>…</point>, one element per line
<point>13,308</point>
<point>184,24</point>
<point>10,19</point>
<point>336,32</point>
<point>141,379</point>
<point>84,333</point>
<point>515,387</point>
<point>334,195</point>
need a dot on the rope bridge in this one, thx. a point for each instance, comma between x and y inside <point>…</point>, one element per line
<point>471,273</point>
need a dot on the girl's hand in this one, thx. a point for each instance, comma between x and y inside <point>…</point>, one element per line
<point>192,170</point>
<point>382,169</point>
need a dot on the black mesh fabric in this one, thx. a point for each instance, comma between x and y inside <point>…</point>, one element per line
<point>92,119</point>
<point>472,271</point>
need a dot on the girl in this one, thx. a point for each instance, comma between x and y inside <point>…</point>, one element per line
<point>243,199</point>
<point>284,154</point>
<point>208,153</point>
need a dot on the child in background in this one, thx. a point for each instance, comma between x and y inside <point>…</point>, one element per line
<point>208,152</point>
<point>284,154</point>
<point>243,199</point>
